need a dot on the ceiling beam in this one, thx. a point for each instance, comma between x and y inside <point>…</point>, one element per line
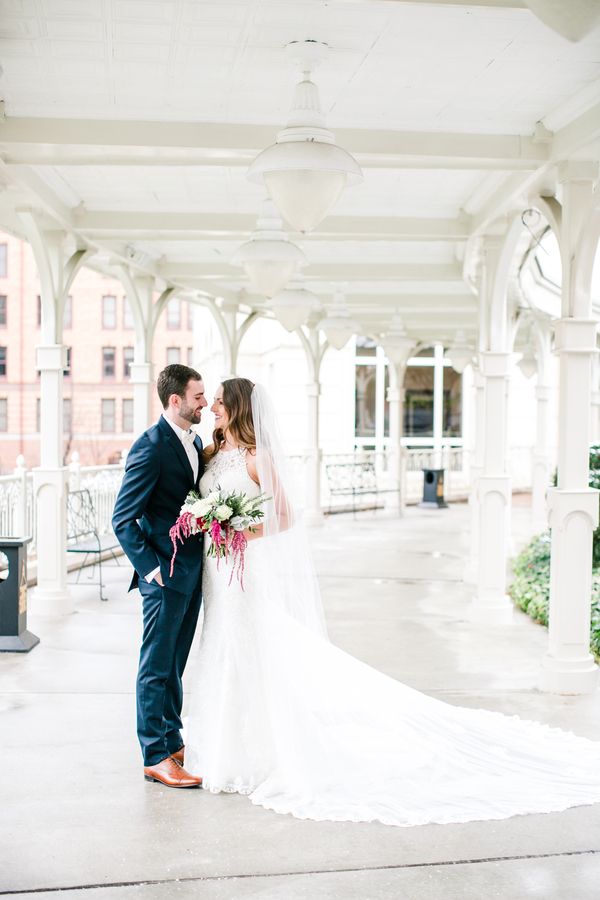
<point>185,226</point>
<point>181,271</point>
<point>71,142</point>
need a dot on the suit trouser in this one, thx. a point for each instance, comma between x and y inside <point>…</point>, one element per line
<point>170,620</point>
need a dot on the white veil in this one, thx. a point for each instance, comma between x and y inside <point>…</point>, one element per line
<point>288,575</point>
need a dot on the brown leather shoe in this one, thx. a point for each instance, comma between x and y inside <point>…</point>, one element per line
<point>171,774</point>
<point>178,755</point>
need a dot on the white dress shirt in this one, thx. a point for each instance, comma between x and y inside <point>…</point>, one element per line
<point>187,439</point>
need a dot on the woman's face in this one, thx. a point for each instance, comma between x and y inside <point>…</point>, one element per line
<point>218,408</point>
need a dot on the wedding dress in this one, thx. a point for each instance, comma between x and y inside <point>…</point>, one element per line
<point>279,713</point>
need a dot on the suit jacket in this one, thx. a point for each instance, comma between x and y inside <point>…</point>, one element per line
<point>158,476</point>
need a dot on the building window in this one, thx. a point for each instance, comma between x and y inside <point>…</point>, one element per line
<point>39,311</point>
<point>109,311</point>
<point>67,418</point>
<point>38,415</point>
<point>108,424</point>
<point>127,314</point>
<point>174,313</point>
<point>68,312</point>
<point>127,360</point>
<point>127,416</point>
<point>173,355</point>
<point>3,414</point>
<point>108,362</point>
<point>418,401</point>
<point>3,352</point>
<point>190,316</point>
<point>190,357</point>
<point>2,309</point>
<point>3,260</point>
<point>67,369</point>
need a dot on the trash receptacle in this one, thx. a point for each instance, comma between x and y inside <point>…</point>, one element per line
<point>14,636</point>
<point>433,489</point>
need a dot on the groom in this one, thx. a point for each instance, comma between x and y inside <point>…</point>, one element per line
<point>162,466</point>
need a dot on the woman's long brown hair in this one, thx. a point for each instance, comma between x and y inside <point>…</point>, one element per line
<point>237,400</point>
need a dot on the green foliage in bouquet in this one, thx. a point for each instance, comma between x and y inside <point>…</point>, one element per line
<point>530,589</point>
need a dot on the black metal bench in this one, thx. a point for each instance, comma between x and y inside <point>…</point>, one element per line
<point>83,536</point>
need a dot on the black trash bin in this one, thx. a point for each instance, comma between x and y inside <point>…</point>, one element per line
<point>14,636</point>
<point>433,489</point>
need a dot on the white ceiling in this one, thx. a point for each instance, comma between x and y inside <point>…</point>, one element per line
<point>131,123</point>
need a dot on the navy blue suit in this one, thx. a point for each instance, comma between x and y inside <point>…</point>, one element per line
<point>158,476</point>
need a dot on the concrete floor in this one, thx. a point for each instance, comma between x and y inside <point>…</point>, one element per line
<point>76,816</point>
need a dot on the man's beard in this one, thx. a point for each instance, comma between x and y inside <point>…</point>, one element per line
<point>189,414</point>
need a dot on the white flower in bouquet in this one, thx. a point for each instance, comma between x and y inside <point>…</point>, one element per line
<point>201,508</point>
<point>213,497</point>
<point>222,512</point>
<point>239,523</point>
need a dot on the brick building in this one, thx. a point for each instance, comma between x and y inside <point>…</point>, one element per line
<point>98,398</point>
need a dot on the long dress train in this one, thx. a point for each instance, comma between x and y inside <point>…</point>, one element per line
<point>281,714</point>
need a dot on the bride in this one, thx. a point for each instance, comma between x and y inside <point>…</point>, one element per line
<point>279,713</point>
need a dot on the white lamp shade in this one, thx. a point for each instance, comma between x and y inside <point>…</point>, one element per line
<point>528,365</point>
<point>269,263</point>
<point>338,330</point>
<point>303,197</point>
<point>304,178</point>
<point>293,307</point>
<point>459,357</point>
<point>397,348</point>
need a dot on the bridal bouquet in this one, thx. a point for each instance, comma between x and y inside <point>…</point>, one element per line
<point>224,517</point>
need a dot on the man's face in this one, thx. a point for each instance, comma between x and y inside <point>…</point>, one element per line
<point>193,402</point>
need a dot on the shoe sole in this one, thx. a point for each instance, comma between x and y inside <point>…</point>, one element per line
<point>158,781</point>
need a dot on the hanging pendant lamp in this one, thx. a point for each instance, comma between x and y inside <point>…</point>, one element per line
<point>459,353</point>
<point>305,171</point>
<point>396,343</point>
<point>269,258</point>
<point>294,305</point>
<point>337,325</point>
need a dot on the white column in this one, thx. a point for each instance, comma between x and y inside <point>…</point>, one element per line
<point>395,502</point>
<point>568,666</point>
<point>314,510</point>
<point>50,480</point>
<point>475,472</point>
<point>141,379</point>
<point>491,603</point>
<point>540,476</point>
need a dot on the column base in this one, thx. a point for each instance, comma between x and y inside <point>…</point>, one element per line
<point>565,676</point>
<point>50,601</point>
<point>492,610</point>
<point>18,643</point>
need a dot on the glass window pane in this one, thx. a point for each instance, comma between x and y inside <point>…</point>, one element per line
<point>127,415</point>
<point>3,308</point>
<point>426,351</point>
<point>67,369</point>
<point>3,352</point>
<point>67,420</point>
<point>127,314</point>
<point>108,416</point>
<point>3,260</point>
<point>109,311</point>
<point>452,420</point>
<point>364,406</point>
<point>365,346</point>
<point>108,362</point>
<point>418,401</point>
<point>174,313</point>
<point>190,357</point>
<point>127,360</point>
<point>3,414</point>
<point>173,355</point>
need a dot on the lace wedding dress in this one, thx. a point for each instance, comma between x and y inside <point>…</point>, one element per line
<point>281,714</point>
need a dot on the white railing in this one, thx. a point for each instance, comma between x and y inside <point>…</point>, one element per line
<point>17,502</point>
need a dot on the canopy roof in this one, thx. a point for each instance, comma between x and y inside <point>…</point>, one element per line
<point>131,123</point>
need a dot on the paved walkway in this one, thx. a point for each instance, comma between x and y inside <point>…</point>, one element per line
<point>77,818</point>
